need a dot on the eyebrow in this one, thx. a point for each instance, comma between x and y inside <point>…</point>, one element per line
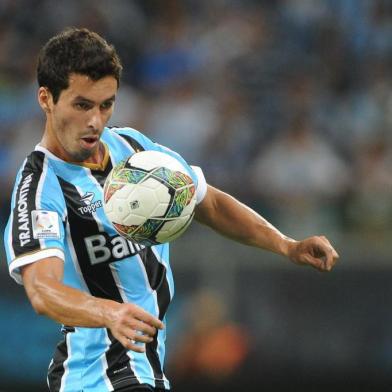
<point>81,98</point>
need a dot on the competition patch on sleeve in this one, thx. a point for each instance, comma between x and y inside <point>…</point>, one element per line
<point>45,224</point>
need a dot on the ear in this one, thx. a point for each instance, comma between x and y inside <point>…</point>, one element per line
<point>45,99</point>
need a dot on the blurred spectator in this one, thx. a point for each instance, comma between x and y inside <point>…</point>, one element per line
<point>212,347</point>
<point>371,205</point>
<point>300,177</point>
<point>206,78</point>
<point>229,149</point>
<point>183,119</point>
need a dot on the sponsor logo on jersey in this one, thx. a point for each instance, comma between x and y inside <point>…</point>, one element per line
<point>101,248</point>
<point>89,206</point>
<point>87,198</point>
<point>45,224</point>
<point>23,213</point>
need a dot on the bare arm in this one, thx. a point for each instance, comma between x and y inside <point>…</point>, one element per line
<point>69,306</point>
<point>235,220</point>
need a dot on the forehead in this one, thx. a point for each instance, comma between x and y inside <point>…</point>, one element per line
<point>94,90</point>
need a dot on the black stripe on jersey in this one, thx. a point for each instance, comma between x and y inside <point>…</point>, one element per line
<point>132,142</point>
<point>119,369</point>
<point>22,230</point>
<point>100,175</point>
<point>99,280</point>
<point>56,369</point>
<point>156,273</point>
<point>98,277</point>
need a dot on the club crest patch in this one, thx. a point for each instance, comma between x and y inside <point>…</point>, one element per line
<point>45,224</point>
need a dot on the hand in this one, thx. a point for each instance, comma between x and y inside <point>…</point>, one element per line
<point>130,325</point>
<point>314,251</point>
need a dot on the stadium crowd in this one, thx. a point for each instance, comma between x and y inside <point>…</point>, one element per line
<point>286,104</point>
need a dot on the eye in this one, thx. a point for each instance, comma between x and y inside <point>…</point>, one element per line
<point>82,106</point>
<point>107,105</point>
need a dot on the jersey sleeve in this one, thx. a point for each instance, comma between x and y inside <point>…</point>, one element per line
<point>147,144</point>
<point>35,228</point>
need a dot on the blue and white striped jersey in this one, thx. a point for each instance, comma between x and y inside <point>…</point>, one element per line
<point>57,210</point>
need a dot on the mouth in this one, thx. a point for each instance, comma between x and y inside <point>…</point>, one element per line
<point>89,142</point>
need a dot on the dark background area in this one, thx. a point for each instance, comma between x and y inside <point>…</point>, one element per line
<point>286,105</point>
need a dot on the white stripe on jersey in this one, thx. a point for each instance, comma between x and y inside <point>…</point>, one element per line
<point>31,258</point>
<point>65,364</point>
<point>47,377</point>
<point>39,192</point>
<point>166,264</point>
<point>10,238</point>
<point>118,283</point>
<point>105,363</point>
<point>158,256</point>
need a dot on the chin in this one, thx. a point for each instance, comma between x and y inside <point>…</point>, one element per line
<point>82,156</point>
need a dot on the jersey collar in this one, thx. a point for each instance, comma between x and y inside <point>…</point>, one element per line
<point>92,166</point>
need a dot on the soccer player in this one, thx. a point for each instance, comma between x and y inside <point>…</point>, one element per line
<point>109,294</point>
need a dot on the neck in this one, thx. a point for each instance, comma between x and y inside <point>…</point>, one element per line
<point>97,156</point>
<point>56,149</point>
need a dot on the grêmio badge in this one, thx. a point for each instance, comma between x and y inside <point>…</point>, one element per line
<point>45,224</point>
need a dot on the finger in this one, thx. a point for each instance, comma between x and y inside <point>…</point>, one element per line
<point>139,348</point>
<point>130,344</point>
<point>136,336</point>
<point>325,239</point>
<point>325,253</point>
<point>334,253</point>
<point>331,257</point>
<point>328,260</point>
<point>314,262</point>
<point>144,328</point>
<point>139,336</point>
<point>149,319</point>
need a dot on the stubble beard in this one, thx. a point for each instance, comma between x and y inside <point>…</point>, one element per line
<point>81,156</point>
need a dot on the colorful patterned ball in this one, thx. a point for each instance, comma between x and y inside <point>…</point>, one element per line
<point>150,198</point>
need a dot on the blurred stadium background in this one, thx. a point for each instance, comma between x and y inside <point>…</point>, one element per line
<point>286,104</point>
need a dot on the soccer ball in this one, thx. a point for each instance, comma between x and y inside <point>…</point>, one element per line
<point>149,198</point>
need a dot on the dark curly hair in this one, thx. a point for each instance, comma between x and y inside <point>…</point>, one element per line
<point>79,51</point>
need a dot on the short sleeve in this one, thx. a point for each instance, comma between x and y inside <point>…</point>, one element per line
<point>35,228</point>
<point>201,184</point>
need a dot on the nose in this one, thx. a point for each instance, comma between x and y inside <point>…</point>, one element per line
<point>95,120</point>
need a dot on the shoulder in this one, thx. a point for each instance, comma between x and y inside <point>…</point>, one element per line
<point>39,163</point>
<point>31,169</point>
<point>36,174</point>
<point>135,138</point>
<point>125,131</point>
<point>34,163</point>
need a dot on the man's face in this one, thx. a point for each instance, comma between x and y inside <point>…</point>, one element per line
<point>75,123</point>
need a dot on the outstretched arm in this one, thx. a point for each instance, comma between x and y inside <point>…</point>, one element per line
<point>235,220</point>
